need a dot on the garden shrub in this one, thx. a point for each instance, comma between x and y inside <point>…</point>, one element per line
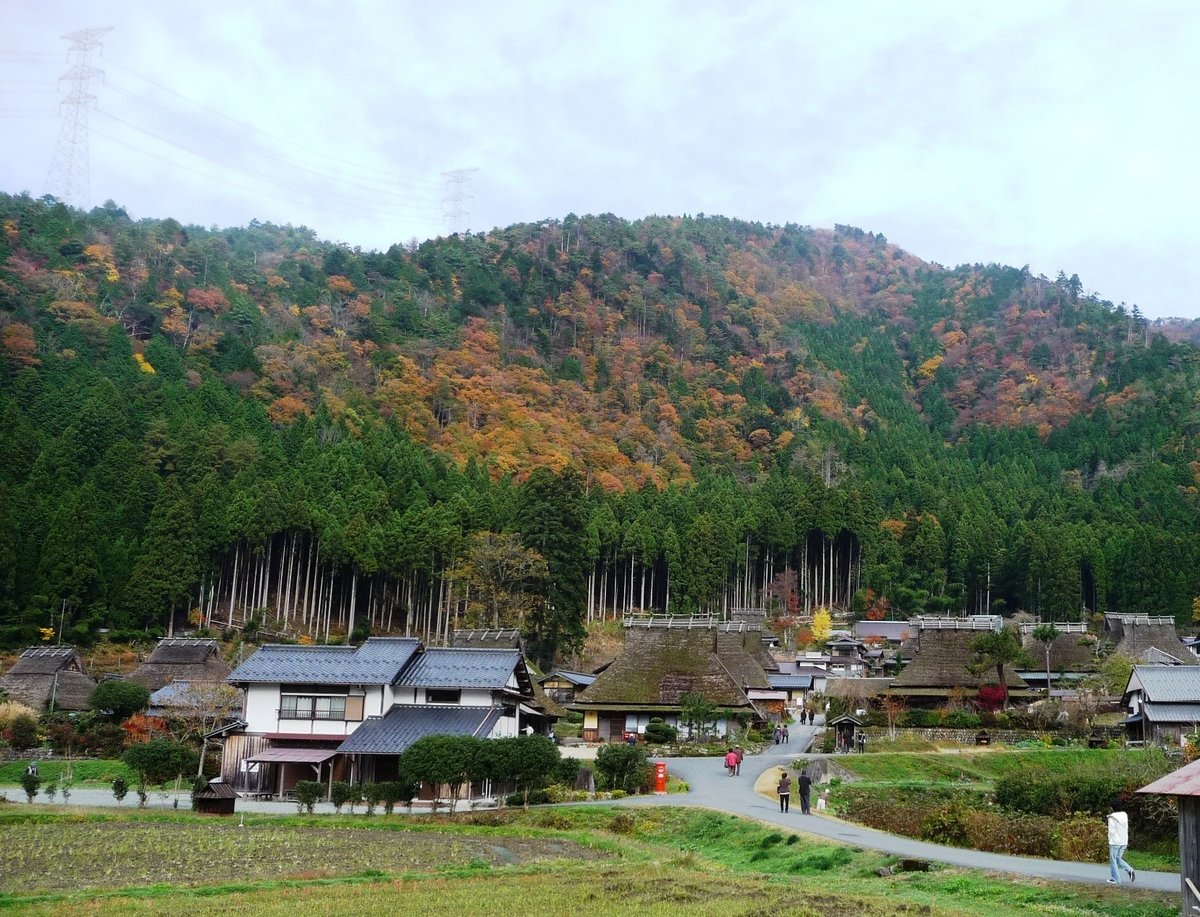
<point>22,732</point>
<point>339,794</point>
<point>946,825</point>
<point>921,719</point>
<point>307,793</point>
<point>661,733</point>
<point>621,767</point>
<point>962,719</point>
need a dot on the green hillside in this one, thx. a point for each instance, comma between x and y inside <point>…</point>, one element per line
<point>254,427</point>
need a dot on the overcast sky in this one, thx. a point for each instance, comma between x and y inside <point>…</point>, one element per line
<point>1061,135</point>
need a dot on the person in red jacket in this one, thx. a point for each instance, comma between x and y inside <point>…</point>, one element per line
<point>731,762</point>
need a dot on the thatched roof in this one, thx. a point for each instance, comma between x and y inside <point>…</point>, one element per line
<point>489,639</point>
<point>45,672</point>
<point>181,659</point>
<point>1134,634</point>
<point>736,648</point>
<point>857,687</point>
<point>944,659</point>
<point>660,664</point>
<point>1068,653</point>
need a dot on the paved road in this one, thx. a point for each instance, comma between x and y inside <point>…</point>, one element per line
<point>711,788</point>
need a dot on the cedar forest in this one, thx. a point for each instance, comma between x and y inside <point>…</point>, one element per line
<point>556,423</point>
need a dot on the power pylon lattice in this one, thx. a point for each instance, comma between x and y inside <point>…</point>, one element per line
<point>455,198</point>
<point>70,168</point>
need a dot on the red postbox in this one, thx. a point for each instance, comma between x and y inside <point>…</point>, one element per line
<point>660,778</point>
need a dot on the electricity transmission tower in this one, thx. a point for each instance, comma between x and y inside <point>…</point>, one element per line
<point>455,198</point>
<point>70,169</point>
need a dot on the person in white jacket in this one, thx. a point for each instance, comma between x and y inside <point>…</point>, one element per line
<point>1118,841</point>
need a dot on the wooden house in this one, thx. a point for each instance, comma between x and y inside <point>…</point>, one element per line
<point>1133,635</point>
<point>180,659</point>
<point>942,667</point>
<point>344,712</point>
<point>564,686</point>
<point>664,659</point>
<point>49,678</point>
<point>1163,703</point>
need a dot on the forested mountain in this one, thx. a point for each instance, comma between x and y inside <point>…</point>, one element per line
<point>557,421</point>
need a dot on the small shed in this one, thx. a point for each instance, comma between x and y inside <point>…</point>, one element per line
<point>845,730</point>
<point>1184,785</point>
<point>218,798</point>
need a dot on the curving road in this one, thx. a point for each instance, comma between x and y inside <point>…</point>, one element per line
<point>711,788</point>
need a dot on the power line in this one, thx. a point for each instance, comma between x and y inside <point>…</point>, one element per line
<point>243,126</point>
<point>70,168</point>
<point>454,200</point>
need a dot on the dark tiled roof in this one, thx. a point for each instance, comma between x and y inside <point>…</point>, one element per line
<point>454,667</point>
<point>1166,683</point>
<point>403,724</point>
<point>943,660</point>
<point>888,630</point>
<point>1172,713</point>
<point>575,678</point>
<point>659,665</point>
<point>379,661</point>
<point>784,682</point>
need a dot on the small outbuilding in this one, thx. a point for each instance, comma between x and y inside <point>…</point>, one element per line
<point>218,798</point>
<point>845,730</point>
<point>49,678</point>
<point>181,659</point>
<point>1184,785</point>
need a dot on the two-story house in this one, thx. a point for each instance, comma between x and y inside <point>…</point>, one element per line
<point>303,704</point>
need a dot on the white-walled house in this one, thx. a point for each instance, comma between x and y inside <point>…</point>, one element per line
<point>304,703</point>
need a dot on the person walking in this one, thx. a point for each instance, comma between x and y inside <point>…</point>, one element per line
<point>737,750</point>
<point>1118,841</point>
<point>731,762</point>
<point>785,791</point>
<point>778,733</point>
<point>805,784</point>
<point>785,734</point>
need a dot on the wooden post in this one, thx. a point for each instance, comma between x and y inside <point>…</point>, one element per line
<point>1189,850</point>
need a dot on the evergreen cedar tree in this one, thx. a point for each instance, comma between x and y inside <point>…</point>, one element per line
<point>671,413</point>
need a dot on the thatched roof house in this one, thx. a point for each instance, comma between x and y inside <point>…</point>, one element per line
<point>181,659</point>
<point>489,639</point>
<point>663,660</point>
<point>1073,650</point>
<point>943,664</point>
<point>46,674</point>
<point>1133,635</point>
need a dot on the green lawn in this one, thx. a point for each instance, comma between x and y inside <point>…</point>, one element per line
<point>593,859</point>
<point>975,766</point>
<point>89,773</point>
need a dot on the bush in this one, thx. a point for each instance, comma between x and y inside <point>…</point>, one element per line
<point>104,740</point>
<point>340,794</point>
<point>119,699</point>
<point>23,732</point>
<point>30,784</point>
<point>536,798</point>
<point>661,733</point>
<point>120,789</point>
<point>566,772</point>
<point>621,767</point>
<point>307,793</point>
<point>921,719</point>
<point>962,719</point>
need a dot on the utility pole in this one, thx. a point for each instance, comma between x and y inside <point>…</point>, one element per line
<point>70,169</point>
<point>455,198</point>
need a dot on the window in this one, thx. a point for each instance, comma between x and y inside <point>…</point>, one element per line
<point>443,695</point>
<point>306,707</point>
